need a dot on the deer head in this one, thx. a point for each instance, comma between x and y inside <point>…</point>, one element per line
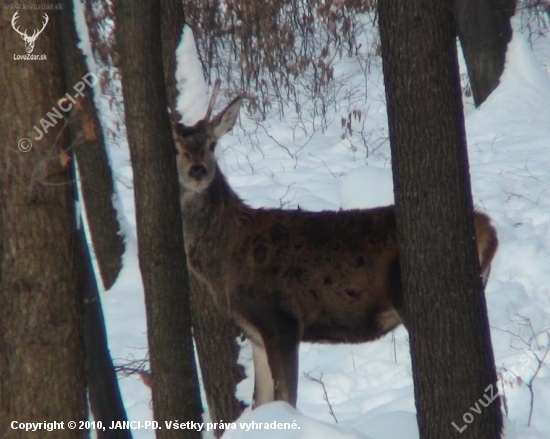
<point>29,41</point>
<point>195,146</point>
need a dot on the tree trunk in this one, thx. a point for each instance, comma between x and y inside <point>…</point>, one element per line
<point>216,340</point>
<point>484,30</point>
<point>158,217</point>
<point>215,336</point>
<point>97,185</point>
<point>93,162</point>
<point>103,391</point>
<point>172,22</point>
<point>41,347</point>
<point>451,351</point>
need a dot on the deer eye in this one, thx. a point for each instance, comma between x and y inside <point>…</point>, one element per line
<point>212,146</point>
<point>186,155</point>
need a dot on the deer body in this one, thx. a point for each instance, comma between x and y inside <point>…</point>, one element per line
<point>290,275</point>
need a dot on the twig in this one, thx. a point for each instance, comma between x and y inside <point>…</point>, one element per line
<point>528,341</point>
<point>136,367</point>
<point>325,394</point>
<point>284,203</point>
<point>529,384</point>
<point>326,166</point>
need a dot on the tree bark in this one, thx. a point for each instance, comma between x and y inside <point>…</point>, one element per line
<point>172,22</point>
<point>451,351</point>
<point>41,346</point>
<point>216,341</point>
<point>158,217</point>
<point>97,185</point>
<point>484,31</point>
<point>103,391</point>
<point>215,335</point>
<point>93,163</point>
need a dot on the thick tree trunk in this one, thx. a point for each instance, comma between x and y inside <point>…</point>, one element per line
<point>215,336</point>
<point>451,351</point>
<point>484,30</point>
<point>160,236</point>
<point>41,346</point>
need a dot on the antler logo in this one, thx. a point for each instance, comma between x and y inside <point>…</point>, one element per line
<point>29,41</point>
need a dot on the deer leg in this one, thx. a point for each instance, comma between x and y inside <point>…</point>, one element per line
<point>282,354</point>
<point>264,390</point>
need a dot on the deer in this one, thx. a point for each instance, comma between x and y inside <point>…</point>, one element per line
<point>29,40</point>
<point>286,276</point>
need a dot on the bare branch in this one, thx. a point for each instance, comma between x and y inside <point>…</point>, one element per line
<point>325,394</point>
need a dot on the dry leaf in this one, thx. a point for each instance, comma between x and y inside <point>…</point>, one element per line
<point>89,128</point>
<point>64,159</point>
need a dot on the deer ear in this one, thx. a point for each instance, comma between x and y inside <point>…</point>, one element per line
<point>225,120</point>
<point>176,134</point>
<point>174,123</point>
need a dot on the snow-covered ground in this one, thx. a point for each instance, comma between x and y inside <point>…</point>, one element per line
<point>349,391</point>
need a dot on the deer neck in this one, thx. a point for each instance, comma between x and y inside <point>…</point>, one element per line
<point>208,223</point>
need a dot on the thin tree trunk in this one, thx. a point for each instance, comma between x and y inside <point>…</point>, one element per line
<point>158,218</point>
<point>216,340</point>
<point>172,22</point>
<point>215,335</point>
<point>484,30</point>
<point>41,346</point>
<point>451,351</point>
<point>93,163</point>
<point>103,391</point>
<point>97,185</point>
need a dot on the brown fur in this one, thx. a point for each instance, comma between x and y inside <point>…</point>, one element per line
<point>487,241</point>
<point>290,275</point>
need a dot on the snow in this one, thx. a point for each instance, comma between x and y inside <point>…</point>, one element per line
<point>352,188</point>
<point>369,386</point>
<point>190,81</point>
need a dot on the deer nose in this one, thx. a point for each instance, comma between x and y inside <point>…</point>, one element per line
<point>197,171</point>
